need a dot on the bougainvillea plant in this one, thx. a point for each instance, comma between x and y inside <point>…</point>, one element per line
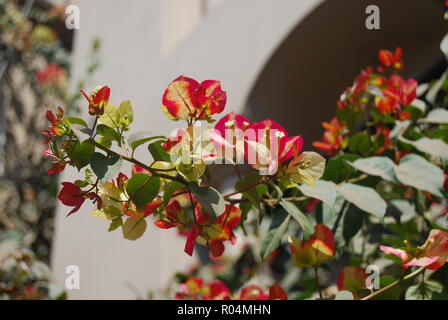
<point>370,206</point>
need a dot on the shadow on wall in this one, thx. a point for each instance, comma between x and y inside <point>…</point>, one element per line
<point>303,79</point>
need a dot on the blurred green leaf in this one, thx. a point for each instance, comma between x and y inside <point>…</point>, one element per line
<point>105,168</point>
<point>417,172</point>
<point>365,198</point>
<point>142,188</point>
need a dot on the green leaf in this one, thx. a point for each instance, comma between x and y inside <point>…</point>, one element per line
<point>251,194</point>
<point>344,295</point>
<point>435,147</point>
<point>158,152</point>
<point>364,198</point>
<point>191,172</point>
<point>82,154</point>
<point>108,132</point>
<point>79,121</point>
<point>360,143</point>
<point>105,168</point>
<point>142,189</point>
<point>83,134</point>
<point>432,93</point>
<point>170,189</point>
<point>391,294</point>
<point>138,138</point>
<point>110,116</point>
<point>438,115</point>
<point>210,199</point>
<point>89,176</point>
<point>353,221</point>
<point>417,172</point>
<point>323,190</point>
<point>376,166</point>
<point>125,114</point>
<point>115,224</point>
<point>134,228</point>
<point>299,216</point>
<point>273,239</point>
<point>338,169</point>
<point>423,291</point>
<point>444,45</point>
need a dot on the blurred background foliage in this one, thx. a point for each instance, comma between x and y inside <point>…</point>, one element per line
<point>35,49</point>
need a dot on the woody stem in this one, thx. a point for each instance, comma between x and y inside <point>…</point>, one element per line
<point>318,287</point>
<point>135,161</point>
<point>394,284</point>
<point>262,181</point>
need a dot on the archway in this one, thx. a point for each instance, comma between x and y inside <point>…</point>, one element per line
<point>301,82</point>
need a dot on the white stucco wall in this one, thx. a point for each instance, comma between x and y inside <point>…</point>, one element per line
<point>231,43</point>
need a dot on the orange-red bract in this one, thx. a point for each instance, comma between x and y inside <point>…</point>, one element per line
<point>352,279</point>
<point>318,248</point>
<point>277,293</point>
<point>98,100</point>
<point>186,99</point>
<point>71,195</point>
<point>391,60</point>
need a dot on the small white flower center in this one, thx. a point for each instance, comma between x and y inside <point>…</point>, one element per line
<point>229,123</point>
<point>279,134</point>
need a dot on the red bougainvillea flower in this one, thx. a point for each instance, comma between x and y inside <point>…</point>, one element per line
<point>56,120</point>
<point>222,229</point>
<point>333,139</point>
<point>179,99</point>
<point>228,137</point>
<point>319,247</point>
<point>352,96</point>
<point>210,98</point>
<point>98,99</point>
<point>149,209</point>
<point>58,165</point>
<point>190,289</point>
<point>398,92</point>
<point>186,99</point>
<point>196,289</point>
<point>51,75</point>
<point>217,290</point>
<point>383,134</point>
<point>268,145</point>
<point>71,195</point>
<point>432,255</point>
<point>175,139</point>
<point>253,292</point>
<point>277,293</point>
<point>353,279</point>
<point>405,90</point>
<point>191,239</point>
<point>392,60</point>
<point>175,216</point>
<point>47,136</point>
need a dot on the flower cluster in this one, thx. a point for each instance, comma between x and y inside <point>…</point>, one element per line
<point>387,152</point>
<point>197,289</point>
<point>173,189</point>
<point>377,99</point>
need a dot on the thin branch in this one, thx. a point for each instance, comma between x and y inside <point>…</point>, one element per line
<point>156,172</point>
<point>393,284</point>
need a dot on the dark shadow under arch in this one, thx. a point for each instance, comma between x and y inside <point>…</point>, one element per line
<point>301,82</point>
